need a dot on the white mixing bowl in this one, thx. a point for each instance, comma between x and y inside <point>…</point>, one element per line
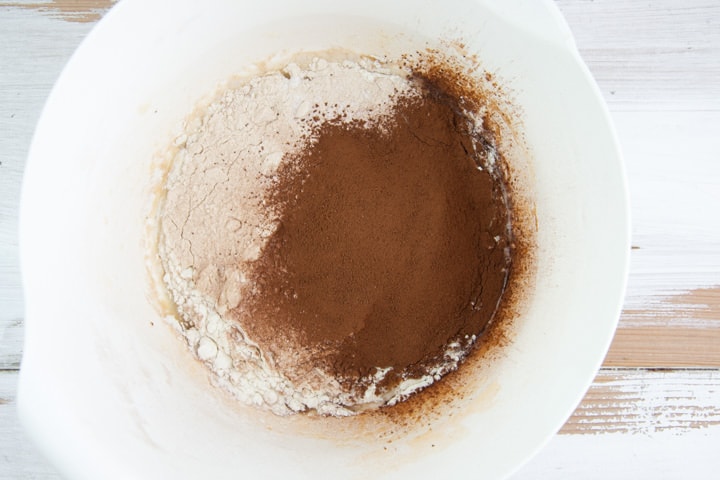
<point>108,391</point>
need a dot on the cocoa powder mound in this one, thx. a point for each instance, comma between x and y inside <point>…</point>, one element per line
<point>392,242</point>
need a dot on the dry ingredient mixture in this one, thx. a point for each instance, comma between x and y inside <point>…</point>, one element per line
<point>335,236</point>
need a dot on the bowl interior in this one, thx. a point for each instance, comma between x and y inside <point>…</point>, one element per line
<point>107,389</point>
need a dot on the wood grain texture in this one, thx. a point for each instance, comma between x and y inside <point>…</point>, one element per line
<point>82,11</point>
<point>640,401</point>
<point>11,342</point>
<point>650,55</point>
<point>665,347</point>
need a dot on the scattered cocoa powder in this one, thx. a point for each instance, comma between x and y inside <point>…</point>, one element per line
<point>393,241</point>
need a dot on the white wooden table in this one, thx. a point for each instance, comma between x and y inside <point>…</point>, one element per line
<point>654,409</point>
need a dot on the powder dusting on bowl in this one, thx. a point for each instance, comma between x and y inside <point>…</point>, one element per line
<point>336,234</point>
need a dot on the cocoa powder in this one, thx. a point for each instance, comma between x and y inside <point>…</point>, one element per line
<point>392,242</point>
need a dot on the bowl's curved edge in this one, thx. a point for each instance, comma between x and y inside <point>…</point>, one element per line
<point>568,46</point>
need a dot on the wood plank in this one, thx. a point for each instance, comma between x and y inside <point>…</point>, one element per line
<point>641,401</point>
<point>651,55</point>
<point>681,330</point>
<point>82,11</point>
<point>671,160</point>
<point>11,338</point>
<point>665,347</point>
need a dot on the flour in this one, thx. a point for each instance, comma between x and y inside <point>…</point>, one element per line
<point>214,222</point>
